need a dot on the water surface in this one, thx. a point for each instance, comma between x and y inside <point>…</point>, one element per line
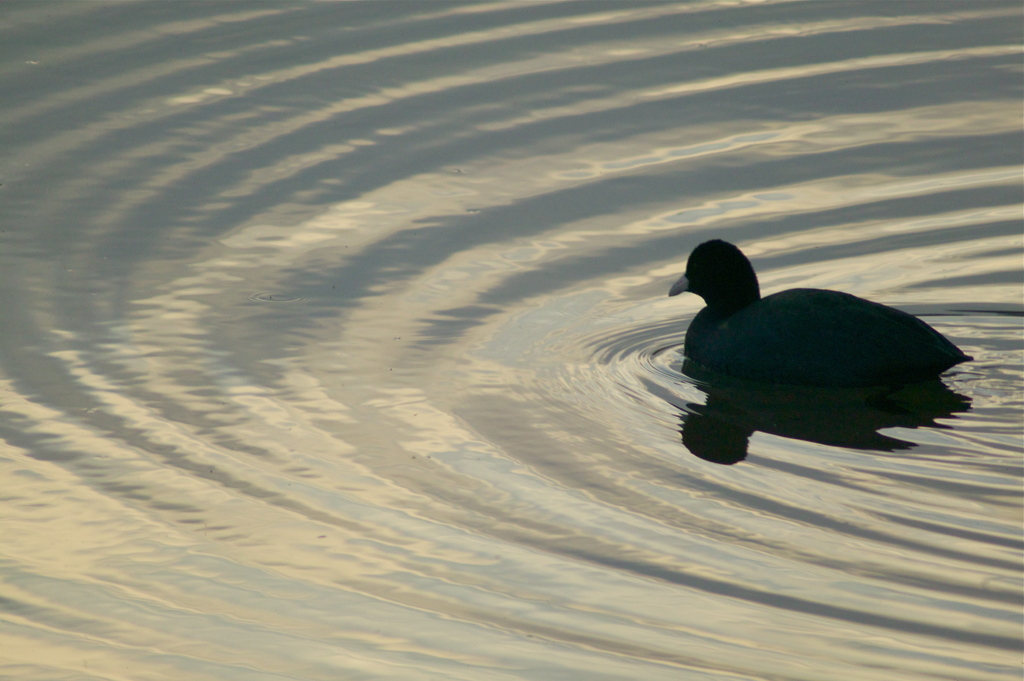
<point>334,341</point>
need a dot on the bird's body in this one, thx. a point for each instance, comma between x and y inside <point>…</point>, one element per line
<point>802,336</point>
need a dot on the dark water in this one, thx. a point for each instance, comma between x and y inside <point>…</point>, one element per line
<point>334,341</point>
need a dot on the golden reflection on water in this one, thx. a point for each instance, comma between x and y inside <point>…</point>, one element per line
<point>455,453</point>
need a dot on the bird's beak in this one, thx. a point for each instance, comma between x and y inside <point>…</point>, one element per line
<point>680,286</point>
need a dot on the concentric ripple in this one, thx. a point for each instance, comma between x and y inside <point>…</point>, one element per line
<point>335,344</point>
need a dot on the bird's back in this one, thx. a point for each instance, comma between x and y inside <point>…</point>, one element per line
<point>818,337</point>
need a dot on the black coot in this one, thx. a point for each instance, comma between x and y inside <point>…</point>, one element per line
<point>802,336</point>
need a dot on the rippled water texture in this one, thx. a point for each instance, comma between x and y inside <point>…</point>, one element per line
<point>335,344</point>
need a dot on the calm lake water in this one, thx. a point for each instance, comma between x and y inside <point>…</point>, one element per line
<point>335,344</point>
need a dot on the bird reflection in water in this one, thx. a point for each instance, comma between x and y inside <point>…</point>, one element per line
<point>719,430</point>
